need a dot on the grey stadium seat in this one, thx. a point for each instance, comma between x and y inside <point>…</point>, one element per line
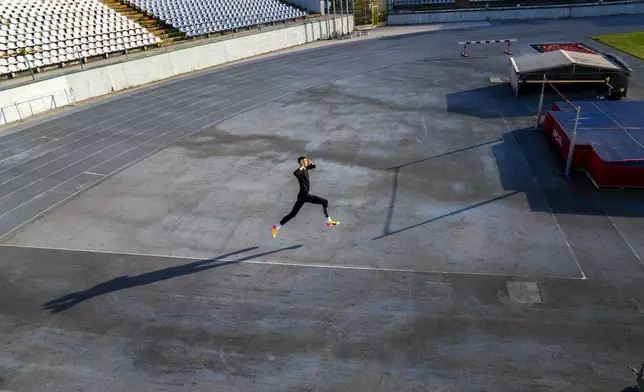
<point>198,17</point>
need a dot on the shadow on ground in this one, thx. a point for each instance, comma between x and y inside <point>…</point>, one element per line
<point>485,102</point>
<point>125,282</point>
<point>497,100</point>
<point>527,162</point>
<point>536,172</point>
<point>530,165</point>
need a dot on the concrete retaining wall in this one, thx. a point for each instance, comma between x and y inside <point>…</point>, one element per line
<point>517,13</point>
<point>82,85</point>
<point>20,103</point>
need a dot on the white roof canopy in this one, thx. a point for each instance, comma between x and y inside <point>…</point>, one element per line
<point>562,58</point>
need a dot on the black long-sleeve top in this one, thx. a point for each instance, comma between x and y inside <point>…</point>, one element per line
<point>303,178</point>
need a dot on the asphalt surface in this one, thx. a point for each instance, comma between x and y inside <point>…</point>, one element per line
<point>464,261</point>
<point>118,323</point>
<point>43,166</point>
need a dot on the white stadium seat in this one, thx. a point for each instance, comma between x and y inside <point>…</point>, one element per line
<point>63,30</point>
<point>56,31</point>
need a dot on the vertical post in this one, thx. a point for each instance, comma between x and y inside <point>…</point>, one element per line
<point>31,109</point>
<point>18,110</point>
<point>364,8</point>
<point>80,59</point>
<point>30,69</point>
<point>326,17</point>
<point>573,140</point>
<point>349,18</point>
<point>334,16</point>
<point>341,17</point>
<point>69,99</point>
<point>464,54</point>
<point>543,89</point>
<point>165,40</point>
<point>508,51</point>
<point>3,116</point>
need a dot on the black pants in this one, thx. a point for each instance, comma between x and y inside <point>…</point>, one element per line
<point>306,198</point>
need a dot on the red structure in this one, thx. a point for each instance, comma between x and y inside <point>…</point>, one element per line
<point>571,47</point>
<point>609,145</point>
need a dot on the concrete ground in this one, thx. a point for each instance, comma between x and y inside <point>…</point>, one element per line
<point>463,262</point>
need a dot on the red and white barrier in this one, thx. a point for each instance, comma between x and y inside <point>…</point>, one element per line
<point>488,41</point>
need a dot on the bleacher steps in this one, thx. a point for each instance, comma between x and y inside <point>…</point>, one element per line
<point>164,32</point>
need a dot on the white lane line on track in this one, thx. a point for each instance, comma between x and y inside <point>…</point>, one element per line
<point>288,264</point>
<point>554,217</point>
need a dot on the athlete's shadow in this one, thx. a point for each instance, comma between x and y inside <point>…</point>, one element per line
<point>125,282</point>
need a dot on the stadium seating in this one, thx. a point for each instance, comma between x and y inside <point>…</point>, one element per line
<point>39,33</point>
<point>199,17</point>
<point>423,2</point>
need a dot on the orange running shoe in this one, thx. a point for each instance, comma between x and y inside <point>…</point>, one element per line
<point>332,223</point>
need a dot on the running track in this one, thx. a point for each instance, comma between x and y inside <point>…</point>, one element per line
<point>43,166</point>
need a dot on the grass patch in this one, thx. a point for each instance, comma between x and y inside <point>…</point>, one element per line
<point>630,43</point>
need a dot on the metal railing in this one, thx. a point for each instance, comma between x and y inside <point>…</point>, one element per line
<point>17,111</point>
<point>163,46</point>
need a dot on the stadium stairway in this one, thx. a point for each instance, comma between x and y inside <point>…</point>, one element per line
<point>166,33</point>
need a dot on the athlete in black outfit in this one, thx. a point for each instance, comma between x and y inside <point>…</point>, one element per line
<point>302,175</point>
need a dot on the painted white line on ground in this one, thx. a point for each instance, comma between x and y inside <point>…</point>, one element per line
<point>622,235</point>
<point>307,84</point>
<point>637,305</point>
<point>554,217</point>
<point>289,264</point>
<point>171,96</point>
<point>172,93</point>
<point>616,122</point>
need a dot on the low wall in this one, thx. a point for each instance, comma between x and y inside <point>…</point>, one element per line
<point>20,103</point>
<point>91,83</point>
<point>518,13</point>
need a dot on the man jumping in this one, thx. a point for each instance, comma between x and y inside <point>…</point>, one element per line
<point>302,175</point>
